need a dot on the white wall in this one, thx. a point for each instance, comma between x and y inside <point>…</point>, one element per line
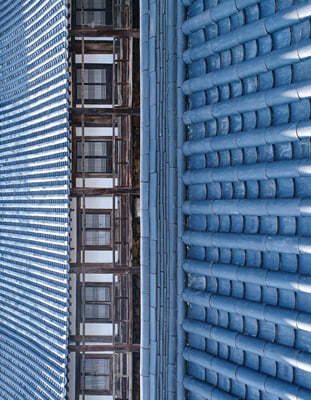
<point>95,182</point>
<point>97,329</point>
<point>95,58</point>
<point>95,131</point>
<point>99,202</point>
<point>93,38</point>
<point>98,278</point>
<point>98,256</point>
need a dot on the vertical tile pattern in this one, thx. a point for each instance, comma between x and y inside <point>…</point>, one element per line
<point>158,199</point>
<point>226,156</point>
<point>34,199</point>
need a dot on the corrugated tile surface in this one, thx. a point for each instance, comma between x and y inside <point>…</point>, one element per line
<point>242,201</point>
<point>158,199</point>
<point>248,200</point>
<point>34,199</point>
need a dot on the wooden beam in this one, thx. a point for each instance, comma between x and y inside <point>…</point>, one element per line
<point>116,348</point>
<point>92,47</point>
<point>93,338</point>
<point>92,120</point>
<point>107,268</point>
<point>78,192</point>
<point>106,31</point>
<point>105,111</point>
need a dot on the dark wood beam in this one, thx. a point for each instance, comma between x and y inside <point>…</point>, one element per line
<point>116,348</point>
<point>91,120</point>
<point>104,31</point>
<point>105,111</point>
<point>92,47</point>
<point>107,268</point>
<point>79,338</point>
<point>78,192</point>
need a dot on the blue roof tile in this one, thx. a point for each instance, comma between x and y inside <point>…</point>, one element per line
<point>34,200</point>
<point>232,280</point>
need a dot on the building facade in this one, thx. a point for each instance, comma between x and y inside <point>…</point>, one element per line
<point>103,197</point>
<point>225,200</point>
<point>67,200</point>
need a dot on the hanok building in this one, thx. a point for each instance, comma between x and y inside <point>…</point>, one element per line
<point>68,198</point>
<point>34,199</point>
<point>103,199</point>
<point>225,200</point>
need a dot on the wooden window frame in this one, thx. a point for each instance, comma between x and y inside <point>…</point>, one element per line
<point>99,320</point>
<point>80,238</point>
<point>79,375</point>
<point>108,84</point>
<point>76,9</point>
<point>92,174</point>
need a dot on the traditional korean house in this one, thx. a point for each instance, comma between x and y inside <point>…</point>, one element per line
<point>68,200</point>
<point>224,188</point>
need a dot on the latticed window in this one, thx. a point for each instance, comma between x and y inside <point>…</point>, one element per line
<point>98,375</point>
<point>97,157</point>
<point>97,83</point>
<point>97,228</point>
<point>98,302</point>
<point>98,293</point>
<point>94,13</point>
<point>98,238</point>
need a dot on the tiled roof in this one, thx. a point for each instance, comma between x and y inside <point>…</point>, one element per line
<point>158,199</point>
<point>235,291</point>
<point>34,199</point>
